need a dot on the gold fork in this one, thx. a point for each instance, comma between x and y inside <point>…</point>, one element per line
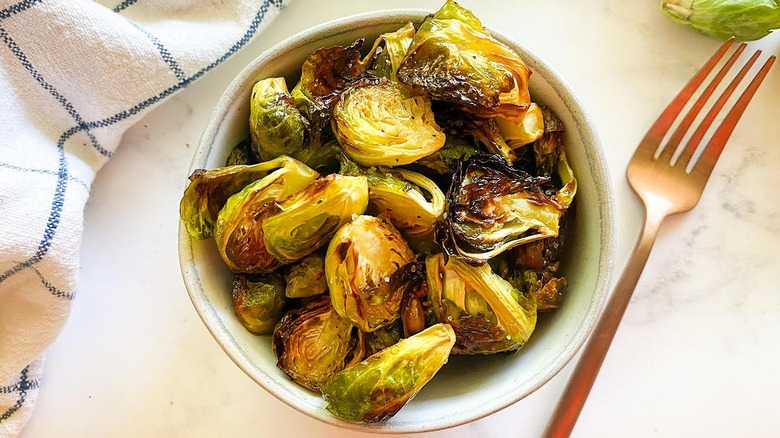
<point>666,185</point>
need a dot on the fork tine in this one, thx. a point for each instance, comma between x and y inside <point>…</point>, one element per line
<point>703,167</point>
<point>674,141</point>
<point>705,124</point>
<point>656,133</point>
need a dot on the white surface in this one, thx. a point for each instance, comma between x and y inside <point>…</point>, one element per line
<point>696,354</point>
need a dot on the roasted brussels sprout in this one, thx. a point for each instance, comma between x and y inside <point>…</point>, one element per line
<point>409,199</point>
<point>488,314</point>
<point>210,189</point>
<point>527,130</point>
<point>258,301</point>
<point>416,314</point>
<point>453,58</point>
<point>313,343</point>
<point>381,124</point>
<point>239,232</point>
<point>393,48</point>
<point>276,125</point>
<point>363,265</point>
<point>494,207</point>
<point>307,277</point>
<point>551,158</point>
<point>376,388</point>
<point>240,154</point>
<point>329,70</point>
<point>308,219</point>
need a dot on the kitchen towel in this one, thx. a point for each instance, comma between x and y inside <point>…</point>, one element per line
<point>74,75</point>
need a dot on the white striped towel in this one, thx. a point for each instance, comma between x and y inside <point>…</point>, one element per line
<point>74,75</point>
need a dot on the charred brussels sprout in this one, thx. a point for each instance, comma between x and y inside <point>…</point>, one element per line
<point>308,219</point>
<point>276,125</point>
<point>488,314</point>
<point>313,343</point>
<point>381,124</point>
<point>494,207</point>
<point>307,277</point>
<point>409,199</point>
<point>393,47</point>
<point>209,190</point>
<point>329,70</point>
<point>239,233</point>
<point>363,266</point>
<point>258,301</point>
<point>376,388</point>
<point>453,58</point>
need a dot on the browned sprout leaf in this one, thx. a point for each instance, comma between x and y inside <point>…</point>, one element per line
<point>312,343</point>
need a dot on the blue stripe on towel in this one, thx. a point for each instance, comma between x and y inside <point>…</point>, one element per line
<point>164,53</point>
<point>15,9</point>
<point>122,6</point>
<point>76,180</point>
<point>17,51</point>
<point>57,202</point>
<point>21,387</point>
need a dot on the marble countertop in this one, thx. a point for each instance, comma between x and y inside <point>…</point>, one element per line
<point>696,354</point>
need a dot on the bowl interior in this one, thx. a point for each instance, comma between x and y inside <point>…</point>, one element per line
<point>467,388</point>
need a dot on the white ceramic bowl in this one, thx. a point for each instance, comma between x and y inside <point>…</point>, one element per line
<point>468,387</point>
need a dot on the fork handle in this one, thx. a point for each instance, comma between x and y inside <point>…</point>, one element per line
<point>581,381</point>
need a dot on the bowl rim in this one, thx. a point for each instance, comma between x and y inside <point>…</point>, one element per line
<point>596,161</point>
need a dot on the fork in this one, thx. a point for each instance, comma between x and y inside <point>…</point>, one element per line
<point>667,181</point>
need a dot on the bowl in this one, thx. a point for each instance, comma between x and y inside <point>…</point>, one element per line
<point>466,388</point>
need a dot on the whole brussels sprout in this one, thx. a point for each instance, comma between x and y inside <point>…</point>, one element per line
<point>307,277</point>
<point>494,207</point>
<point>238,232</point>
<point>410,200</point>
<point>745,20</point>
<point>258,301</point>
<point>276,125</point>
<point>312,343</point>
<point>308,219</point>
<point>363,266</point>
<point>379,386</point>
<point>488,314</point>
<point>453,58</point>
<point>208,191</point>
<point>381,124</point>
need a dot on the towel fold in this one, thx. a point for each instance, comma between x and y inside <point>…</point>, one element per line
<point>74,76</point>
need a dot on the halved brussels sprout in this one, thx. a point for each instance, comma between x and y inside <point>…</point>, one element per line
<point>328,70</point>
<point>455,59</point>
<point>376,388</point>
<point>210,189</point>
<point>410,200</point>
<point>308,219</point>
<point>258,301</point>
<point>494,207</point>
<point>488,314</point>
<point>313,343</point>
<point>275,124</point>
<point>239,232</point>
<point>363,265</point>
<point>381,124</point>
<point>393,47</point>
<point>520,133</point>
<point>307,277</point>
